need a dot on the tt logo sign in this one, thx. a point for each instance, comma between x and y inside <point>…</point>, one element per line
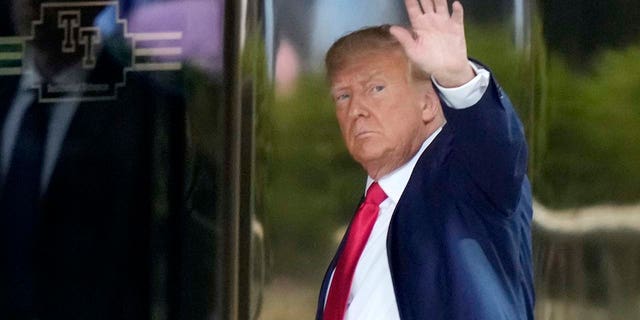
<point>74,36</point>
<point>91,33</point>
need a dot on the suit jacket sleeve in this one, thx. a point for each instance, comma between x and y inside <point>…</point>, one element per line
<point>490,142</point>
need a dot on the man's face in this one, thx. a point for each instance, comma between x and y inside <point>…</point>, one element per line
<point>381,110</point>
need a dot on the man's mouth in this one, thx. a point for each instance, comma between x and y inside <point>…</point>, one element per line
<point>364,133</point>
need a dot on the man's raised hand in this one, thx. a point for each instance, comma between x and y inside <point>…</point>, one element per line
<point>437,44</point>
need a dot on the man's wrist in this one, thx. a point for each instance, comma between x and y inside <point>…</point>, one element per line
<point>468,93</point>
<point>456,79</point>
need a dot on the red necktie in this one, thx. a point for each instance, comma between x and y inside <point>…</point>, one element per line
<point>359,232</point>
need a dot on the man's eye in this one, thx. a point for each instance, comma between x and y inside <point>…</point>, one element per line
<point>342,97</point>
<point>377,88</point>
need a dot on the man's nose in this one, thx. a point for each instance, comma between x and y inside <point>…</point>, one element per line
<point>359,106</point>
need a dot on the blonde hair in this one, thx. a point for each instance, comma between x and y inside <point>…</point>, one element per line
<point>367,40</point>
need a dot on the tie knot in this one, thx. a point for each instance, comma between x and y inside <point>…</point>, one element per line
<point>375,195</point>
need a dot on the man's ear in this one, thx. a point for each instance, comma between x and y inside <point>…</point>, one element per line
<point>430,105</point>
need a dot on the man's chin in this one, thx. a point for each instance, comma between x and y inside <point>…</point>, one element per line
<point>368,157</point>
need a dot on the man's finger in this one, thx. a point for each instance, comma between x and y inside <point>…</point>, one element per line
<point>441,6</point>
<point>458,13</point>
<point>426,5</point>
<point>413,9</point>
<point>403,35</point>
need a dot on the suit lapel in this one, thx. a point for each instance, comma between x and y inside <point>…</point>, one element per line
<point>410,211</point>
<point>425,170</point>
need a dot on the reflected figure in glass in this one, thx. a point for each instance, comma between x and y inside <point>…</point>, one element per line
<point>102,206</point>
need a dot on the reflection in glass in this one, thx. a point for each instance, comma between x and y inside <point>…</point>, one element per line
<point>128,153</point>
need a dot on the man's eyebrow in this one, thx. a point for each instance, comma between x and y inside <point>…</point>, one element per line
<point>339,87</point>
<point>372,74</point>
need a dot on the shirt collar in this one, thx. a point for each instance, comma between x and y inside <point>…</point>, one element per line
<point>394,183</point>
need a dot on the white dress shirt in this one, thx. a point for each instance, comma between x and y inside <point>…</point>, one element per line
<point>372,296</point>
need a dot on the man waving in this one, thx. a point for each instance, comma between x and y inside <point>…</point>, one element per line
<point>443,231</point>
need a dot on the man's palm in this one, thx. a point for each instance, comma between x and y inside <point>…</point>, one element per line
<point>437,44</point>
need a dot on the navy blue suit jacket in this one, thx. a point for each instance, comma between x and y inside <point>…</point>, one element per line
<point>459,242</point>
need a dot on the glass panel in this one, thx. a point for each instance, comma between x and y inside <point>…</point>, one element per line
<point>314,184</point>
<point>126,166</point>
